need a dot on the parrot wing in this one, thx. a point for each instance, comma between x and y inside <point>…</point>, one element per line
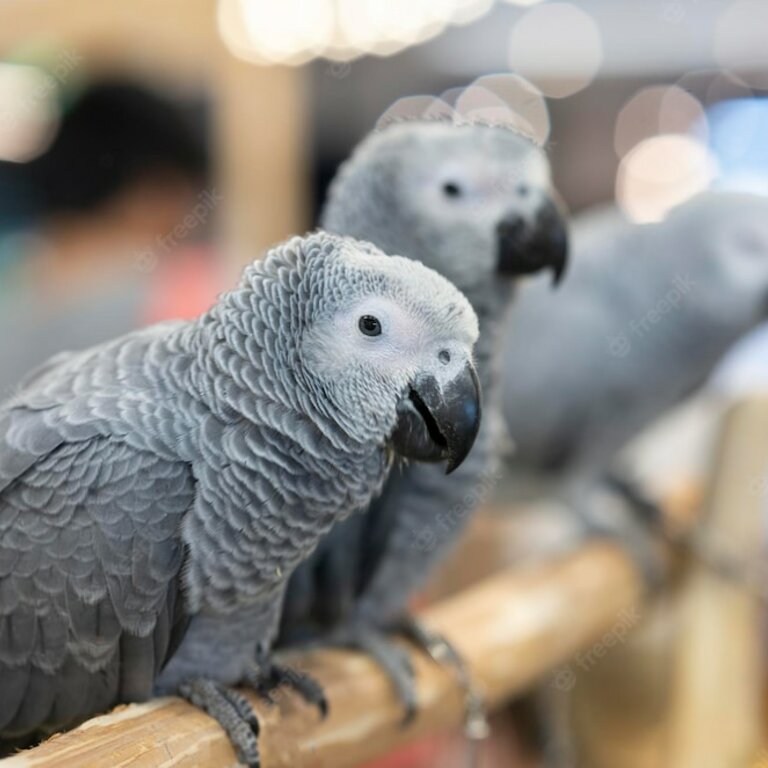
<point>90,554</point>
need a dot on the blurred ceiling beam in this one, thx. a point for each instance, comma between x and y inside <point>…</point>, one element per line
<point>261,127</point>
<point>142,37</point>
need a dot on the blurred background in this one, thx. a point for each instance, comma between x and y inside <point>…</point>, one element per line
<point>149,149</point>
<point>135,140</point>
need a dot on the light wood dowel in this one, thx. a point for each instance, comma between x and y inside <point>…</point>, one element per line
<point>511,628</point>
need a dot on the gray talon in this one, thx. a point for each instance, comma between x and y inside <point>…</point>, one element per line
<point>267,677</point>
<point>231,711</point>
<point>476,726</point>
<point>619,511</point>
<point>393,660</point>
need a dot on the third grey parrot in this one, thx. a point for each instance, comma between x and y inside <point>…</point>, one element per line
<point>647,313</point>
<point>157,491</point>
<point>474,202</point>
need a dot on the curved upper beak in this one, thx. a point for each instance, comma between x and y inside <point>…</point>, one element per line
<point>525,247</point>
<point>439,424</point>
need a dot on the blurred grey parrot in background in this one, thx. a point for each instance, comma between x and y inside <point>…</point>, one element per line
<point>645,316</point>
<point>157,491</point>
<point>647,313</point>
<point>474,202</point>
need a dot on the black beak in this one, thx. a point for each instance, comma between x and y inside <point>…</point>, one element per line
<point>525,248</point>
<point>439,424</point>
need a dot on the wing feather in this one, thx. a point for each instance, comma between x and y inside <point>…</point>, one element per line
<point>90,556</point>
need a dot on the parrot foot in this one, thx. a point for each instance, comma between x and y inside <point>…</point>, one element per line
<point>442,652</point>
<point>267,677</point>
<point>620,511</point>
<point>393,660</point>
<point>232,711</point>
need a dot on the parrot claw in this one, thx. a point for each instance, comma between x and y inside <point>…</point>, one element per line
<point>267,677</point>
<point>232,711</point>
<point>393,660</point>
<point>476,726</point>
<point>620,511</point>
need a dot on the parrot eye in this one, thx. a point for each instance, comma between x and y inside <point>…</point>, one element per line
<point>451,189</point>
<point>369,325</point>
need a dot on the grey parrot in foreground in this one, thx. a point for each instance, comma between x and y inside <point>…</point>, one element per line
<point>474,202</point>
<point>153,487</point>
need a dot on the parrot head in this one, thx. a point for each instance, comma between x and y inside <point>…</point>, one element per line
<point>386,349</point>
<point>715,251</point>
<point>728,232</point>
<point>473,201</point>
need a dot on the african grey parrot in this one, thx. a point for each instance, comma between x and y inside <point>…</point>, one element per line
<point>160,483</point>
<point>647,313</point>
<point>474,202</point>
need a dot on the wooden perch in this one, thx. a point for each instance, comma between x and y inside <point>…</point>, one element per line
<point>699,649</point>
<point>511,628</point>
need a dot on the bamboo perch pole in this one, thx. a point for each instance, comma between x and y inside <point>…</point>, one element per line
<point>720,653</point>
<point>511,628</point>
<point>659,699</point>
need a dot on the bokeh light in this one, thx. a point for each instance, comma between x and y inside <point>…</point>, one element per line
<point>558,47</point>
<point>465,11</point>
<point>416,108</point>
<point>384,27</point>
<point>511,100</point>
<point>500,99</point>
<point>29,114</point>
<point>294,31</point>
<point>738,130</point>
<point>662,172</point>
<point>725,85</point>
<point>655,110</point>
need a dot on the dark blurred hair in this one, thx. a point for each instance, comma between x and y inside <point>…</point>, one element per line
<point>113,134</point>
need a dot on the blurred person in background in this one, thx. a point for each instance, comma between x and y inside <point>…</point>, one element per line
<point>96,232</point>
